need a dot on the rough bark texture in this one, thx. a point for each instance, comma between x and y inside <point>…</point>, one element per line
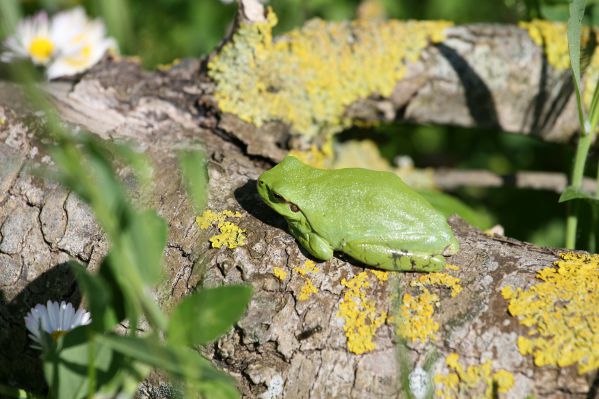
<point>473,79</point>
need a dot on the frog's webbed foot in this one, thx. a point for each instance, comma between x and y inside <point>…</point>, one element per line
<point>316,245</point>
<point>383,257</point>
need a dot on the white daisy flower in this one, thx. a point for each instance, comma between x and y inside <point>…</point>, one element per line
<point>55,319</point>
<point>32,40</point>
<point>81,43</point>
<point>67,44</point>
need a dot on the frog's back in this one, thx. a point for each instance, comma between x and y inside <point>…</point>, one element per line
<point>365,205</point>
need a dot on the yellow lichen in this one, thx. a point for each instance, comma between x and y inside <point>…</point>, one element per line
<point>308,267</point>
<point>454,268</point>
<point>230,234</point>
<point>415,321</point>
<point>380,275</point>
<point>309,77</point>
<point>307,290</point>
<point>473,381</point>
<point>361,319</point>
<point>440,279</point>
<point>318,157</point>
<point>591,76</point>
<point>169,65</point>
<point>371,10</point>
<point>279,273</point>
<point>562,311</point>
<point>552,36</point>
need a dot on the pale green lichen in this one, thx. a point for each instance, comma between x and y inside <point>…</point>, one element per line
<point>562,312</point>
<point>309,77</point>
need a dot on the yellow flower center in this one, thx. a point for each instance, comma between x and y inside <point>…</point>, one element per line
<point>81,59</point>
<point>86,51</point>
<point>41,49</point>
<point>57,334</point>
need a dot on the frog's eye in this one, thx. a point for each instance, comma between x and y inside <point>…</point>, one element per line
<point>293,207</point>
<point>278,197</point>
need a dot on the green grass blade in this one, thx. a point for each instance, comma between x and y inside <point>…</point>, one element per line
<point>574,29</point>
<point>10,13</point>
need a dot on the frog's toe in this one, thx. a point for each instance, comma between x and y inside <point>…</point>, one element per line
<point>452,248</point>
<point>428,263</point>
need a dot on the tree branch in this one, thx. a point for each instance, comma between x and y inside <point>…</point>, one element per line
<point>283,342</point>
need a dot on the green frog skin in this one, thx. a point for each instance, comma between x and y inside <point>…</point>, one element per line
<point>371,216</point>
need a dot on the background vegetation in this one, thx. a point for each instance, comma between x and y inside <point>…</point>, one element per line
<point>164,30</point>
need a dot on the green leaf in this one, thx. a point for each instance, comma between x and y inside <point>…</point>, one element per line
<point>207,314</point>
<point>10,14</point>
<point>67,366</point>
<point>179,361</point>
<point>99,298</point>
<point>195,176</point>
<point>577,8</point>
<point>117,15</point>
<point>147,237</point>
<point>449,206</point>
<point>571,193</point>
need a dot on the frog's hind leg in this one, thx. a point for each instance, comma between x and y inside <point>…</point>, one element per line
<point>382,256</point>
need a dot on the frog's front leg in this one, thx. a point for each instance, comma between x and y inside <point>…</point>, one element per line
<point>383,256</point>
<point>312,243</point>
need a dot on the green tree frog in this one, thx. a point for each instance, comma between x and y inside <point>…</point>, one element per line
<point>371,216</point>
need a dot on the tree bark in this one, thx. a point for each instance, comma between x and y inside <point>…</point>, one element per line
<point>283,345</point>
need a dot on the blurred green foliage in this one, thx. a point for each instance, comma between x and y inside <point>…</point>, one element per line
<point>163,30</point>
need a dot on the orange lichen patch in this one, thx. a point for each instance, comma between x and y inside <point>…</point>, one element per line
<point>307,290</point>
<point>380,275</point>
<point>230,234</point>
<point>279,273</point>
<point>361,319</point>
<point>308,77</point>
<point>440,279</point>
<point>562,312</point>
<point>415,321</point>
<point>473,381</point>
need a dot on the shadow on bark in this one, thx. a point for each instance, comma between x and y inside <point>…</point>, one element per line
<point>20,365</point>
<point>479,99</point>
<point>251,202</point>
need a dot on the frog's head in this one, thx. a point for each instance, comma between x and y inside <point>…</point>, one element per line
<point>284,186</point>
